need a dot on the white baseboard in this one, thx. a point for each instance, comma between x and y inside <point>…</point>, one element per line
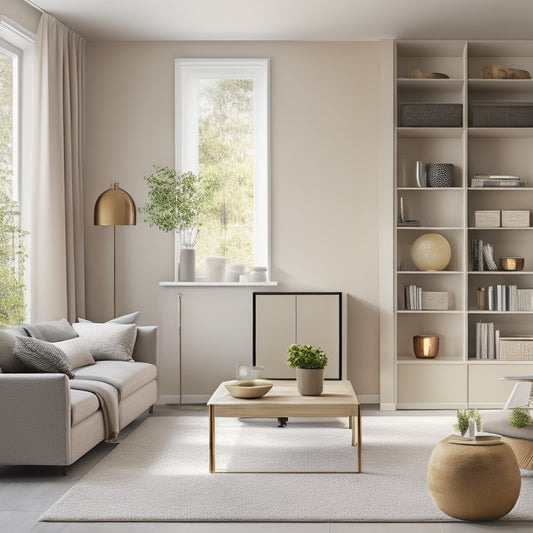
<point>174,399</point>
<point>368,398</point>
<point>387,407</point>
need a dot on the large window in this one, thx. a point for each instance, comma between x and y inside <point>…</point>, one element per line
<point>222,134</point>
<point>15,147</point>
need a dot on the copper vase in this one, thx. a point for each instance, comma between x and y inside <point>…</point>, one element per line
<point>426,346</point>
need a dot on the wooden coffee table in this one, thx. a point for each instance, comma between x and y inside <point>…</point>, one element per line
<point>337,400</point>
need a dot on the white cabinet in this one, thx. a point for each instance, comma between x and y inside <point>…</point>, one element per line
<point>472,147</point>
<point>282,319</point>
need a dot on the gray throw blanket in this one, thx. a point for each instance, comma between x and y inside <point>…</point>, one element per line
<point>108,397</point>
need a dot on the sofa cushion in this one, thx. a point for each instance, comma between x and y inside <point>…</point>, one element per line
<point>127,377</point>
<point>82,405</point>
<point>77,352</point>
<point>130,318</point>
<point>51,330</point>
<point>108,341</point>
<point>41,355</point>
<point>8,361</point>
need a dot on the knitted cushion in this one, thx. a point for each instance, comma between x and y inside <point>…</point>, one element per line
<point>43,356</point>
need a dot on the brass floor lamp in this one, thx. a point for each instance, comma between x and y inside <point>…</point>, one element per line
<point>115,207</point>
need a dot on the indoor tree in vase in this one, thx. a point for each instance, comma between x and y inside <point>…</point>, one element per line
<point>176,200</point>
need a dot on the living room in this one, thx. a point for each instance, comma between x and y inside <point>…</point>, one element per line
<point>325,119</point>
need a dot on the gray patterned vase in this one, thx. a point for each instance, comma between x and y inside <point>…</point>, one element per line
<point>439,174</point>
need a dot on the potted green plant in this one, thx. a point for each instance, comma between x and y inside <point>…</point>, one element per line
<point>176,200</point>
<point>309,362</point>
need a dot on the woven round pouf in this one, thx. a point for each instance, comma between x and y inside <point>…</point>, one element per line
<point>473,482</point>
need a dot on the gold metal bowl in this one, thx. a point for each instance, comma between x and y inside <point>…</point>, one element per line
<point>512,263</point>
<point>248,389</point>
<point>426,346</point>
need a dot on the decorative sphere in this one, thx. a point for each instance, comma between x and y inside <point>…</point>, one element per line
<point>431,251</point>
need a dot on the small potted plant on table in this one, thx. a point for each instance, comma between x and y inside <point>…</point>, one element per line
<point>309,362</point>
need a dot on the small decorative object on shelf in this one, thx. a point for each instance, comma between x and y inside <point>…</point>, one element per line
<point>512,263</point>
<point>431,251</point>
<point>258,274</point>
<point>215,268</point>
<point>494,180</point>
<point>426,346</point>
<point>500,72</point>
<point>418,73</point>
<point>482,256</point>
<point>487,218</point>
<point>434,174</point>
<point>514,218</point>
<point>516,348</point>
<point>309,362</point>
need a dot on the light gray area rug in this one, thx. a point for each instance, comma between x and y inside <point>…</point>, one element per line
<point>160,473</point>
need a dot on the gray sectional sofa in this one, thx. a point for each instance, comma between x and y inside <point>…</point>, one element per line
<point>49,418</point>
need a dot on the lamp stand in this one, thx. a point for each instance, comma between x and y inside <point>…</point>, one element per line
<point>114,271</point>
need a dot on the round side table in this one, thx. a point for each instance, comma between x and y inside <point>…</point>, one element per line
<point>472,481</point>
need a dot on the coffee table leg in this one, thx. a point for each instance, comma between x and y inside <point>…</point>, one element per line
<point>359,442</point>
<point>212,466</point>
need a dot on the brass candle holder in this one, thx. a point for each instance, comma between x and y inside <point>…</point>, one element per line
<point>426,346</point>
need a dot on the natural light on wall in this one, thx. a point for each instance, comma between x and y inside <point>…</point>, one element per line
<point>222,134</point>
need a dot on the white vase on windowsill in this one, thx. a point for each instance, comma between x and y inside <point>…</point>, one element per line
<point>185,255</point>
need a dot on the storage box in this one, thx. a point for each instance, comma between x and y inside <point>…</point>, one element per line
<point>516,348</point>
<point>517,115</point>
<point>431,115</point>
<point>515,218</point>
<point>435,301</point>
<point>487,219</point>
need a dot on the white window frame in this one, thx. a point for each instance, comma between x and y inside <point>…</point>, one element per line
<point>188,73</point>
<point>20,42</point>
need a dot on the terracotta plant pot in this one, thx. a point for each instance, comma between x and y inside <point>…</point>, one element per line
<point>310,381</point>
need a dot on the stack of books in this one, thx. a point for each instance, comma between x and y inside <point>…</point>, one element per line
<point>413,297</point>
<point>504,298</point>
<point>494,180</point>
<point>483,256</point>
<point>487,341</point>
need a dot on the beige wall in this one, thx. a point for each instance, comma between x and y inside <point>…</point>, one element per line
<point>22,13</point>
<point>324,135</point>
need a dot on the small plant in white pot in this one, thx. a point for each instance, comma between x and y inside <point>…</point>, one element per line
<point>309,363</point>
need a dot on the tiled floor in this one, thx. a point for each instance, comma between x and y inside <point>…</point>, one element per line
<point>26,492</point>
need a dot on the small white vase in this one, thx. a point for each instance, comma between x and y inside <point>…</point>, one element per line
<point>187,266</point>
<point>310,381</point>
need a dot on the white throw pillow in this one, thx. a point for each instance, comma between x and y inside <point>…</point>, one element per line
<point>108,340</point>
<point>130,318</point>
<point>77,351</point>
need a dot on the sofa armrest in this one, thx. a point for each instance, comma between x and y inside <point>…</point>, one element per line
<point>146,347</point>
<point>35,419</point>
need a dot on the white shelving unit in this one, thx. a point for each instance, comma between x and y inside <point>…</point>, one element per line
<point>454,379</point>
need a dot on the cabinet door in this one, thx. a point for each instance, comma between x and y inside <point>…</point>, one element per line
<point>296,318</point>
<point>318,324</point>
<point>486,390</point>
<point>432,385</point>
<point>275,327</point>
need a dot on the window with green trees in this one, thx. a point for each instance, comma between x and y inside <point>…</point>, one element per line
<point>12,246</point>
<point>222,134</point>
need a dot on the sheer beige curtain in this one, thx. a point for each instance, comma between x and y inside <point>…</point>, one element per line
<point>57,230</point>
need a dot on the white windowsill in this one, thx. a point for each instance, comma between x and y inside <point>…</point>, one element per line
<point>218,284</point>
